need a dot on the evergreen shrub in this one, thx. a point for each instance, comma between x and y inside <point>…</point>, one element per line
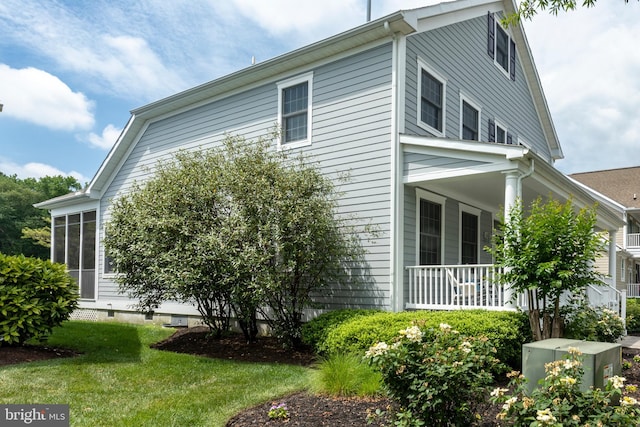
<point>35,296</point>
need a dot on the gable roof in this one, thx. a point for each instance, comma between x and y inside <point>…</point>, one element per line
<point>401,23</point>
<point>621,185</point>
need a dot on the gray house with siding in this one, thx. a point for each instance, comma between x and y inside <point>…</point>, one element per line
<point>437,114</point>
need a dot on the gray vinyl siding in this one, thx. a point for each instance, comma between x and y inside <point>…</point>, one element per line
<point>458,53</point>
<point>351,135</point>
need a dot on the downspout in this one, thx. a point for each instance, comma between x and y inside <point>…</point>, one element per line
<point>395,290</point>
<point>532,168</point>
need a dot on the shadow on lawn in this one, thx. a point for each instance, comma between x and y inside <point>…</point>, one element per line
<point>99,342</point>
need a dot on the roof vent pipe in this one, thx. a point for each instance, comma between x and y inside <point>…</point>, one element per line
<point>368,10</point>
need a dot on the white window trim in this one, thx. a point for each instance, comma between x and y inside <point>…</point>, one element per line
<point>463,99</point>
<point>495,48</point>
<point>473,211</point>
<point>434,198</point>
<point>422,65</point>
<point>281,85</point>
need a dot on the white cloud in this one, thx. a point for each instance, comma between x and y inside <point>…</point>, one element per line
<point>38,97</point>
<point>105,141</point>
<point>107,55</point>
<point>283,17</point>
<point>588,64</point>
<point>37,170</point>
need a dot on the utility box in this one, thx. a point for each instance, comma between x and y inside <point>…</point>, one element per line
<point>601,361</point>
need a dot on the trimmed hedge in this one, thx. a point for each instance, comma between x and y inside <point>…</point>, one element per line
<point>314,332</point>
<point>506,330</point>
<point>35,296</point>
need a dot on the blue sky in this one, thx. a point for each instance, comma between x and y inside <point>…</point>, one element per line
<point>71,70</point>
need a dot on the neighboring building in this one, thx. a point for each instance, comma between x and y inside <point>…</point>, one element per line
<point>436,112</point>
<point>620,188</point>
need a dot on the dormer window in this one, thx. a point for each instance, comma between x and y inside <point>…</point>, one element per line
<point>501,47</point>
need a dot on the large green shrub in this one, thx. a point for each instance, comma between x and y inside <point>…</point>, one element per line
<point>633,315</point>
<point>35,296</point>
<point>507,331</point>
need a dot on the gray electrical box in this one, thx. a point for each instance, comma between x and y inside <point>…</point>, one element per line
<point>601,361</point>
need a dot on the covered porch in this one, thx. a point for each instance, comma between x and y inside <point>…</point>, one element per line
<point>453,194</point>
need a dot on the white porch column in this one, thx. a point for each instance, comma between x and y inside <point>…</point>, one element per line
<point>613,268</point>
<point>510,197</point>
<point>510,193</point>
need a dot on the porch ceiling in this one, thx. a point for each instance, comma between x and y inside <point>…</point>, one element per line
<point>475,174</point>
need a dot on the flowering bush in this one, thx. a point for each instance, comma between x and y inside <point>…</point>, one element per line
<point>594,324</point>
<point>278,412</point>
<point>434,374</point>
<point>558,401</point>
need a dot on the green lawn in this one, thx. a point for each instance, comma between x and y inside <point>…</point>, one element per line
<point>120,381</point>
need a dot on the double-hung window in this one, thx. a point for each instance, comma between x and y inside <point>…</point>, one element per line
<point>501,47</point>
<point>498,133</point>
<point>469,235</point>
<point>470,120</point>
<point>294,111</point>
<point>431,100</point>
<point>430,214</point>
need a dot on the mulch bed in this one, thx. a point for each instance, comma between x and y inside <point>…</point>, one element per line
<point>305,409</point>
<point>11,355</point>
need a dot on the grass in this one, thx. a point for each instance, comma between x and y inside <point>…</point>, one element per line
<point>120,381</point>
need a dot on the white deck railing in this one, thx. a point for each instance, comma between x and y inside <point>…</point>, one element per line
<point>458,287</point>
<point>633,290</point>
<point>633,240</point>
<point>455,287</point>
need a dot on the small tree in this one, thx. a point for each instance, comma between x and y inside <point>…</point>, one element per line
<point>168,239</point>
<point>243,227</point>
<point>546,253</point>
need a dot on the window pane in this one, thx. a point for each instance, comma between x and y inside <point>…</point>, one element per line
<point>469,122</point>
<point>295,128</point>
<point>431,101</point>
<point>89,240</point>
<point>73,254</point>
<point>500,135</point>
<point>430,232</point>
<point>469,241</point>
<point>502,48</point>
<point>59,238</point>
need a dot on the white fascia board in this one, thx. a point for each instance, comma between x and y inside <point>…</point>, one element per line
<point>511,152</point>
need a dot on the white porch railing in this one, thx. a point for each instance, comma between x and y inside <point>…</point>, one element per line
<point>633,240</point>
<point>609,297</point>
<point>455,287</point>
<point>633,290</point>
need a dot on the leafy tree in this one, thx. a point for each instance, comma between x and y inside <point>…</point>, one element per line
<point>17,213</point>
<point>546,253</point>
<point>243,228</point>
<point>528,8</point>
